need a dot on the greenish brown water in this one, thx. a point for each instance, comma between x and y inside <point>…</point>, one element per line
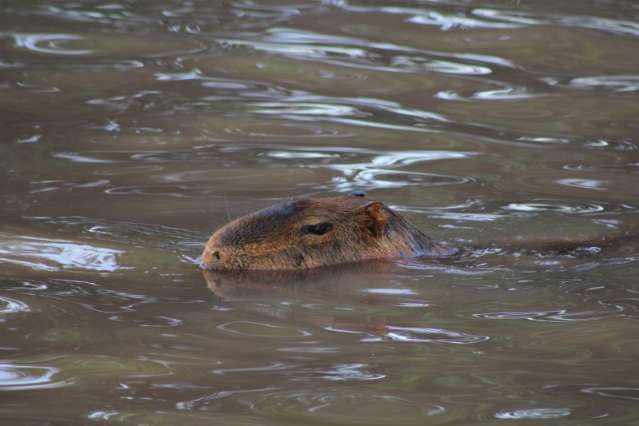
<point>132,129</point>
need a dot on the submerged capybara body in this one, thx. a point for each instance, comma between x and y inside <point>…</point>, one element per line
<point>313,232</point>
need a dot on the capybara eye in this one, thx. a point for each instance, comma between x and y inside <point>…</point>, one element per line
<point>216,254</point>
<point>318,229</point>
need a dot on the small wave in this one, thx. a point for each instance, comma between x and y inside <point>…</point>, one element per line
<point>533,413</point>
<point>15,377</point>
<point>79,158</point>
<point>53,255</point>
<point>438,65</point>
<point>616,392</point>
<point>447,22</point>
<point>382,171</point>
<point>425,335</point>
<point>391,291</point>
<point>343,406</point>
<point>9,305</point>
<point>544,206</point>
<point>614,26</point>
<point>259,329</point>
<point>51,44</point>
<point>559,315</point>
<point>341,372</point>
<point>592,184</point>
<point>617,83</point>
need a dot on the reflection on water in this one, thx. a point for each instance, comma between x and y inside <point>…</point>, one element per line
<point>51,44</point>
<point>132,130</point>
<point>24,377</point>
<point>534,413</point>
<point>51,255</point>
<point>10,306</point>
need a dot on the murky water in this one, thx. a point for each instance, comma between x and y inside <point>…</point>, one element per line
<point>131,130</point>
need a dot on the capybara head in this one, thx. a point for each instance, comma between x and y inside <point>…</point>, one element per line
<point>312,232</point>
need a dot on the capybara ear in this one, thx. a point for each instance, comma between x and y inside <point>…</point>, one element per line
<point>376,217</point>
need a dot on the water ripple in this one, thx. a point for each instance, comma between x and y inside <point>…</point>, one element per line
<point>259,329</point>
<point>559,315</point>
<point>507,93</point>
<point>447,22</point>
<point>616,83</point>
<point>339,372</point>
<point>391,291</point>
<point>339,405</point>
<point>614,26</point>
<point>52,255</point>
<point>47,43</point>
<point>534,413</point>
<point>438,65</point>
<point>424,335</point>
<point>544,206</point>
<point>202,402</point>
<point>15,377</point>
<point>12,306</point>
<point>354,52</point>
<point>130,233</point>
<point>382,170</point>
<point>276,366</point>
<point>382,178</point>
<point>616,392</point>
<point>357,111</point>
<point>592,184</point>
<point>79,158</point>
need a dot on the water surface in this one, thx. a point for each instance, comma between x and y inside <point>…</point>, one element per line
<point>131,130</point>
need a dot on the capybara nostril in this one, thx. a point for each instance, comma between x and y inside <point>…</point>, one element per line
<point>211,258</point>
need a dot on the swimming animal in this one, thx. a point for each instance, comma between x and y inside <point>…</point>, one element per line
<point>308,233</point>
<point>312,232</point>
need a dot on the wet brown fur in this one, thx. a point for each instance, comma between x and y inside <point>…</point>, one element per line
<point>275,239</point>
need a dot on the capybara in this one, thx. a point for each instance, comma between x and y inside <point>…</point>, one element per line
<point>312,232</point>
